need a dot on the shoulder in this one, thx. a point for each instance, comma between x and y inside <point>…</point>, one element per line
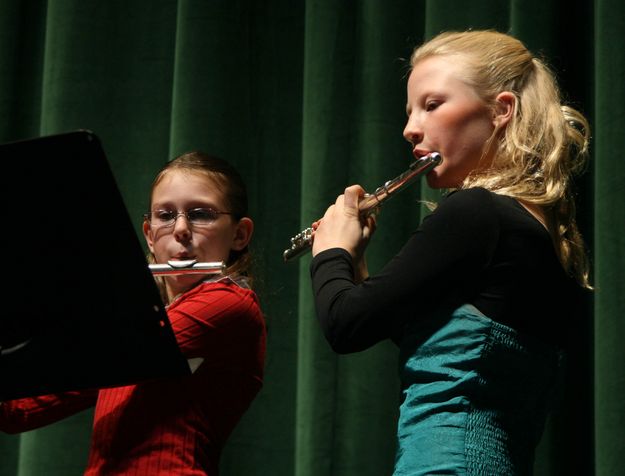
<point>223,297</point>
<point>225,285</point>
<point>478,196</point>
<point>467,221</point>
<point>467,218</point>
<point>472,206</point>
<point>469,197</point>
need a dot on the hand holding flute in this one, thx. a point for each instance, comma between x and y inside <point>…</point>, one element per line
<point>303,241</point>
<point>345,226</point>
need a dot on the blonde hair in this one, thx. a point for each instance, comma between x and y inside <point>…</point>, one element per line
<point>544,144</point>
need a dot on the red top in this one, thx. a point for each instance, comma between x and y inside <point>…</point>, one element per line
<point>172,426</point>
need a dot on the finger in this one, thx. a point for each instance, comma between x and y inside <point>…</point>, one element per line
<point>372,222</point>
<point>329,212</point>
<point>352,195</point>
<point>370,225</point>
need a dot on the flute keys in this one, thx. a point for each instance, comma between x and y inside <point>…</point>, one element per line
<point>300,243</point>
<point>303,238</point>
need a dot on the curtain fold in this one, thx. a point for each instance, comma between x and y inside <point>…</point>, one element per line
<point>306,98</point>
<point>22,33</point>
<point>609,230</point>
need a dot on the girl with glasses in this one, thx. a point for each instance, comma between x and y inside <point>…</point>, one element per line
<point>197,211</point>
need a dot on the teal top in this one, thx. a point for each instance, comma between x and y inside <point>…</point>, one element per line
<point>475,396</point>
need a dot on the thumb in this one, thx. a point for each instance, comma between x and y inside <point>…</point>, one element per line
<point>352,196</point>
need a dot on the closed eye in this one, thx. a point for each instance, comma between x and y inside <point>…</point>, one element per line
<point>164,215</point>
<point>431,105</point>
<point>203,215</point>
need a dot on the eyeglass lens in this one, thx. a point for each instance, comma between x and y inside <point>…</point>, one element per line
<point>196,216</point>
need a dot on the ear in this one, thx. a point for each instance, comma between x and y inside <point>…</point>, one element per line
<point>147,234</point>
<point>503,111</point>
<point>243,234</point>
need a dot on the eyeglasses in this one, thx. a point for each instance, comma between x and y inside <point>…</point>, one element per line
<point>199,217</point>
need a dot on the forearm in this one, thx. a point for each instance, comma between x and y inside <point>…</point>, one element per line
<point>343,319</point>
<point>26,414</point>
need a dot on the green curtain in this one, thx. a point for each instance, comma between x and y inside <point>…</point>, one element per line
<point>305,98</point>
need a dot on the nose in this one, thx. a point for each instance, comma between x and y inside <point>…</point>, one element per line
<point>182,228</point>
<point>413,132</point>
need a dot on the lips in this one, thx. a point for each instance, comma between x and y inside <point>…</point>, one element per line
<point>182,257</point>
<point>418,153</point>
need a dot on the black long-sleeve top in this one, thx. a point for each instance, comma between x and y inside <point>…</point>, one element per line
<point>476,247</point>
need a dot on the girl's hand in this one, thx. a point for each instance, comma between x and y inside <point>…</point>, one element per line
<point>343,227</point>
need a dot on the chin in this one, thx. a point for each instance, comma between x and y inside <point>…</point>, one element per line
<point>434,180</point>
<point>438,180</point>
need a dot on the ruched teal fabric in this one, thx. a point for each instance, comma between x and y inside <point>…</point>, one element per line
<point>475,396</point>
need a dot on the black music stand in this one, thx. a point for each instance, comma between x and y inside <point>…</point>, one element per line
<point>80,309</point>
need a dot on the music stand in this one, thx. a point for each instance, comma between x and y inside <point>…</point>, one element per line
<point>81,309</point>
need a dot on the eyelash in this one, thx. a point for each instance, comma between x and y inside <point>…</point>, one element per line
<point>429,106</point>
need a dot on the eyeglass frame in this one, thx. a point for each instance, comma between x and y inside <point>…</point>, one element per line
<point>185,213</point>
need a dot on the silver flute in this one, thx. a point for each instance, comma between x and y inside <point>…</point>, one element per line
<point>191,266</point>
<point>302,242</point>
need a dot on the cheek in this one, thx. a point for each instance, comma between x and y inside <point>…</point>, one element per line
<point>476,127</point>
<point>214,246</point>
<point>461,136</point>
<point>466,136</point>
<point>159,248</point>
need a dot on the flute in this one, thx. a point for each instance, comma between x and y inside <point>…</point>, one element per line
<point>302,242</point>
<point>191,266</point>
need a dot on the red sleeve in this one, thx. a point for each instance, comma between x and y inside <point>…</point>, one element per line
<point>26,414</point>
<point>220,322</point>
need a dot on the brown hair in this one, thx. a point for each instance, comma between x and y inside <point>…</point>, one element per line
<point>234,190</point>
